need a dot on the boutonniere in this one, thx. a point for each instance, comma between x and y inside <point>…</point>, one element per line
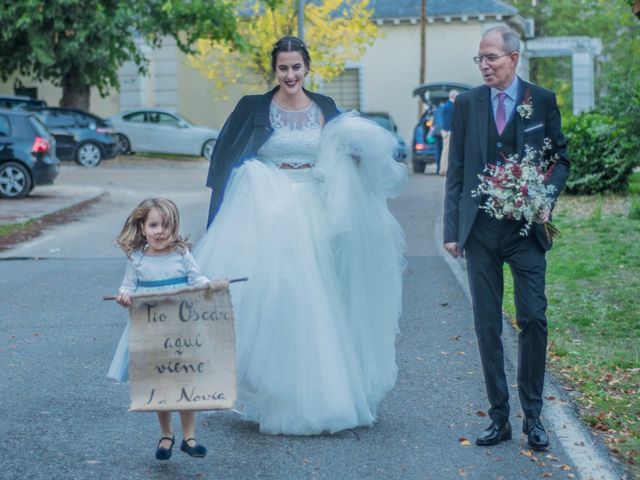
<point>525,109</point>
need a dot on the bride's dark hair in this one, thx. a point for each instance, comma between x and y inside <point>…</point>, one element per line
<point>289,44</point>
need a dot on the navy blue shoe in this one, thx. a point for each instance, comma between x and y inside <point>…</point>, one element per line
<point>197,451</point>
<point>164,453</point>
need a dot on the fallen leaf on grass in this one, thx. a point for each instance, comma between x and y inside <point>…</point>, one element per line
<point>565,467</point>
<point>547,475</point>
<point>480,413</point>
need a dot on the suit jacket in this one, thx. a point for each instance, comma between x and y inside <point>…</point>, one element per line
<point>246,130</point>
<point>468,153</point>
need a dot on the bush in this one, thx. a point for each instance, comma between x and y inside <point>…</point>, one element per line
<point>601,155</point>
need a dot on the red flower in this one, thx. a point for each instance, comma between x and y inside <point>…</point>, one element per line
<point>524,190</point>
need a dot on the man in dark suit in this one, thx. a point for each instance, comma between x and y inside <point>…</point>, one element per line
<point>487,127</point>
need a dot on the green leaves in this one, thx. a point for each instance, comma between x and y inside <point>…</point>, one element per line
<point>84,42</point>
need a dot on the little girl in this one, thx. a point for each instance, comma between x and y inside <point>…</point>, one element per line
<point>159,260</point>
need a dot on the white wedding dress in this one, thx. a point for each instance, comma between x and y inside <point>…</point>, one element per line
<point>316,322</point>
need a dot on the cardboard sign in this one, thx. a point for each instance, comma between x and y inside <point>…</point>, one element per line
<point>182,351</point>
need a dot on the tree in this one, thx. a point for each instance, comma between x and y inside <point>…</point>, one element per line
<point>335,31</point>
<point>606,19</point>
<point>79,44</point>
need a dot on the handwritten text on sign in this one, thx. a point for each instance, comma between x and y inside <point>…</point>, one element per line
<point>182,351</point>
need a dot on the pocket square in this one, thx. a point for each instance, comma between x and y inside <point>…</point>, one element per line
<point>533,128</point>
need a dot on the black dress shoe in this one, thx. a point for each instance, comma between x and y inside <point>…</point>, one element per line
<point>537,437</point>
<point>164,453</point>
<point>494,434</point>
<point>197,451</point>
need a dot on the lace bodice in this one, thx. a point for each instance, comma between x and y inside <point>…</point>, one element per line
<point>295,138</point>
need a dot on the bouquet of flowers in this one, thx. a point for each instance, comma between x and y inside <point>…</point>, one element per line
<point>517,189</point>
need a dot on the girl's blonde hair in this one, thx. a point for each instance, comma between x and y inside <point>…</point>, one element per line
<point>131,238</point>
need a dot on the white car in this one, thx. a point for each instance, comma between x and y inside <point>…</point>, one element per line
<point>162,131</point>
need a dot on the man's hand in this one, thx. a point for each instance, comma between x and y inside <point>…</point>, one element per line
<point>123,300</point>
<point>543,215</point>
<point>454,249</point>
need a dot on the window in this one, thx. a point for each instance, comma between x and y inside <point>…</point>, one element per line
<point>345,89</point>
<point>164,119</point>
<point>85,121</point>
<point>53,118</point>
<point>5,127</point>
<point>137,117</point>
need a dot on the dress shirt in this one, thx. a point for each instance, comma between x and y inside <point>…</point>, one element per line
<point>509,100</point>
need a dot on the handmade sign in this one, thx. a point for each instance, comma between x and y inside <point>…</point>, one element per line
<point>182,351</point>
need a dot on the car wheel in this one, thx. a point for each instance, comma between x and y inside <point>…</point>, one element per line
<point>207,148</point>
<point>124,145</point>
<point>89,154</point>
<point>15,180</point>
<point>418,165</point>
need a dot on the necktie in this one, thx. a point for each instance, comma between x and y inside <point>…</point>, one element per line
<point>501,114</point>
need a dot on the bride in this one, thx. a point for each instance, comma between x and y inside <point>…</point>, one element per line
<point>299,206</point>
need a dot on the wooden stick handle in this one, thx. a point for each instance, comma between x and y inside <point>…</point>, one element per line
<point>234,280</point>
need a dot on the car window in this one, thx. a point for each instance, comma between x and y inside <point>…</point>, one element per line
<point>5,126</point>
<point>53,118</point>
<point>85,121</point>
<point>137,117</point>
<point>164,119</point>
<point>39,127</point>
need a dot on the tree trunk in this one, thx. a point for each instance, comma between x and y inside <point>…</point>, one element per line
<point>75,94</point>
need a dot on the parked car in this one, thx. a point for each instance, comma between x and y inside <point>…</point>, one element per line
<point>18,102</point>
<point>385,120</point>
<point>27,154</point>
<point>80,136</point>
<point>423,144</point>
<point>162,131</point>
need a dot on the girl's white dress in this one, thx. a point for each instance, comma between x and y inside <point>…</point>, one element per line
<point>316,322</point>
<point>145,274</point>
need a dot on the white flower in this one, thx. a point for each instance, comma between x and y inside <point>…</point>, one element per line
<point>525,110</point>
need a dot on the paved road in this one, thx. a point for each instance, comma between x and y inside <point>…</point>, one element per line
<point>63,419</point>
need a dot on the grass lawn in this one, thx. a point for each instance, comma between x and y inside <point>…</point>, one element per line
<point>593,288</point>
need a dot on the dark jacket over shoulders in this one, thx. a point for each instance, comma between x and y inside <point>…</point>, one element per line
<point>246,130</point>
<point>468,153</point>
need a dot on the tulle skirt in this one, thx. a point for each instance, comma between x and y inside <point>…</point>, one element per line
<point>314,354</point>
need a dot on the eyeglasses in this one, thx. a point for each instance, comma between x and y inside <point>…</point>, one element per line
<point>491,58</point>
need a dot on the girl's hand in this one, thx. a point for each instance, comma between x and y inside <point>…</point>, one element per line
<point>123,300</point>
<point>220,284</point>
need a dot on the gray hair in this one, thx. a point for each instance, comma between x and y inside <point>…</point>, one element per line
<point>510,38</point>
<point>453,94</point>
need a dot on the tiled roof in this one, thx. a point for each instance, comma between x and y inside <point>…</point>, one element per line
<point>387,9</point>
<point>438,8</point>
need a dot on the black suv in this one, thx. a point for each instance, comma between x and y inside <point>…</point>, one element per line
<point>80,136</point>
<point>27,155</point>
<point>17,102</point>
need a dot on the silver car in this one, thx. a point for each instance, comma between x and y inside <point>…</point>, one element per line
<point>162,131</point>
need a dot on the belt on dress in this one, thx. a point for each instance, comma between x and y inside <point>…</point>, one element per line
<point>162,283</point>
<point>288,166</point>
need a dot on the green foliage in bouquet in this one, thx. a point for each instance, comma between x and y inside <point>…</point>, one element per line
<point>601,154</point>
